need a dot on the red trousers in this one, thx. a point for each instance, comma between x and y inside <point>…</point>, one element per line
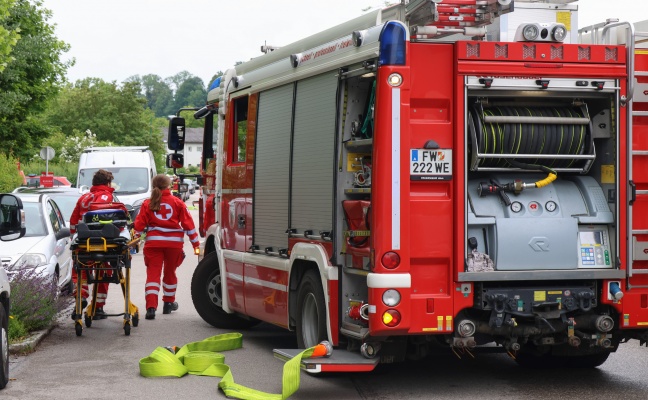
<point>157,261</point>
<point>102,288</point>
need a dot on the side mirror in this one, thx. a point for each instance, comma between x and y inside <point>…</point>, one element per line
<point>63,233</point>
<point>175,160</point>
<point>183,188</point>
<point>176,136</point>
<point>12,218</point>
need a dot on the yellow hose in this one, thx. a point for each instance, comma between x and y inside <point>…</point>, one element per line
<point>550,178</point>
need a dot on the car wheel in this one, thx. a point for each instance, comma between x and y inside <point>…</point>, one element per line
<point>207,296</point>
<point>4,347</point>
<point>55,285</point>
<point>68,288</point>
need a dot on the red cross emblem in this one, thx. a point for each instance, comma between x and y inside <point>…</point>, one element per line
<point>89,198</point>
<point>165,212</point>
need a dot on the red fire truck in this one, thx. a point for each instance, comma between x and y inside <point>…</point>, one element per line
<point>409,180</point>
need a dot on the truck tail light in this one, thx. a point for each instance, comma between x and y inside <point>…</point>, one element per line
<point>391,318</point>
<point>390,260</point>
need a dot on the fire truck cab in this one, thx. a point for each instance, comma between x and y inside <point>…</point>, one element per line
<point>433,174</point>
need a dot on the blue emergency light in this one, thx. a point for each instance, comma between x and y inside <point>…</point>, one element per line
<point>392,44</point>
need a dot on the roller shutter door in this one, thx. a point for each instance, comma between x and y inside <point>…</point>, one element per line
<point>313,154</point>
<point>272,167</point>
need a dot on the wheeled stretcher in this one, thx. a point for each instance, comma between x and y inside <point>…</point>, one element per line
<point>102,254</point>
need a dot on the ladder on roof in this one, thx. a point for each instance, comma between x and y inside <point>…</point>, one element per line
<point>432,19</point>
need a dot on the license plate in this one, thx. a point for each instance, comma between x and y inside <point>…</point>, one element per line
<point>430,165</point>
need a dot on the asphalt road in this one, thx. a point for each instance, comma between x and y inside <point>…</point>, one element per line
<point>103,364</point>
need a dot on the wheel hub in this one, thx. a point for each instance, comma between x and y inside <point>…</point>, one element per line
<point>214,289</point>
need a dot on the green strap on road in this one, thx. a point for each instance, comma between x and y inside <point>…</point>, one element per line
<point>202,358</point>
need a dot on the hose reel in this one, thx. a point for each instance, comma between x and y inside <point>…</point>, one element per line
<point>529,138</point>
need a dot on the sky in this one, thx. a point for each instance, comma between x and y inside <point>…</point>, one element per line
<point>116,39</point>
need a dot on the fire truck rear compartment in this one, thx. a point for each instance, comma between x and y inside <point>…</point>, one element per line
<point>540,219</point>
<point>541,186</point>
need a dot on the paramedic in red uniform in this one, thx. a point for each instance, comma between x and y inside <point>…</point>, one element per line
<point>100,192</point>
<point>166,219</point>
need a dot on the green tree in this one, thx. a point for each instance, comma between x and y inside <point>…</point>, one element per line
<point>158,94</point>
<point>30,79</point>
<point>116,114</point>
<point>8,38</point>
<point>176,80</point>
<point>191,93</point>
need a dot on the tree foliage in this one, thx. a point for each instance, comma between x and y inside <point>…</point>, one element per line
<point>116,114</point>
<point>8,38</point>
<point>191,93</point>
<point>158,94</point>
<point>30,78</point>
<point>9,176</point>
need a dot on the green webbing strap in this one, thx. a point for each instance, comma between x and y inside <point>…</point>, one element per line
<point>202,358</point>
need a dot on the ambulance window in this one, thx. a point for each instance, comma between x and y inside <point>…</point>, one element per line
<point>240,129</point>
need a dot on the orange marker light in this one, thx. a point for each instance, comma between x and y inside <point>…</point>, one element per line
<point>391,318</point>
<point>197,251</point>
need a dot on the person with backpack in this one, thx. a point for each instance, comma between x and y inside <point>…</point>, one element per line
<point>100,192</point>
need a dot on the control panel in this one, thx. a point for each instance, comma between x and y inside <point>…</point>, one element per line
<point>593,247</point>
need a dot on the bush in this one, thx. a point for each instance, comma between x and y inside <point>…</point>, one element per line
<point>17,329</point>
<point>9,176</point>
<point>34,300</point>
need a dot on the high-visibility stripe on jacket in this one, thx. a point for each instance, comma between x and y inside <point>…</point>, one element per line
<point>168,225</point>
<point>97,194</point>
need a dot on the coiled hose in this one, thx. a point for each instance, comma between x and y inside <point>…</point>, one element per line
<point>529,138</point>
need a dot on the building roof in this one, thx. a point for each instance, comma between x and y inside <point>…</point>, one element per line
<point>192,135</point>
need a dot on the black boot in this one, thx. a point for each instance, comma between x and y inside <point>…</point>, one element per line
<point>99,314</point>
<point>168,307</point>
<point>150,313</point>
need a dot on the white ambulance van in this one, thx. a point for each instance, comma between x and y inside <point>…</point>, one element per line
<point>133,169</point>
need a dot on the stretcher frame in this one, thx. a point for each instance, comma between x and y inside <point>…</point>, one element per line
<point>101,255</point>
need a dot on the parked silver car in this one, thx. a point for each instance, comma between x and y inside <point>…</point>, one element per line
<point>12,227</point>
<point>46,244</point>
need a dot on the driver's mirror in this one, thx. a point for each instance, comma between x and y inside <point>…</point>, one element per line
<point>12,218</point>
<point>176,136</point>
<point>175,160</point>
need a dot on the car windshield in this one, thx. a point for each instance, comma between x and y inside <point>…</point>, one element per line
<point>34,221</point>
<point>125,180</point>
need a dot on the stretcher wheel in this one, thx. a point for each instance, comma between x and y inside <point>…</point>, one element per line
<point>78,328</point>
<point>127,329</point>
<point>136,319</point>
<point>88,321</point>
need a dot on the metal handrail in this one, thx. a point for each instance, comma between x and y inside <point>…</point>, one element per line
<point>630,44</point>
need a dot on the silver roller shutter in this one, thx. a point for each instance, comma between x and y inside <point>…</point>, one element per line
<point>272,166</point>
<point>313,154</point>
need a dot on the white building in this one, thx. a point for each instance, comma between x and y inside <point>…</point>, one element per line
<point>192,147</point>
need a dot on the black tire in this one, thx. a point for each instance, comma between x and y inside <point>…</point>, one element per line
<point>136,319</point>
<point>206,293</point>
<point>78,328</point>
<point>4,347</point>
<point>68,289</point>
<point>88,321</point>
<point>127,329</point>
<point>311,311</point>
